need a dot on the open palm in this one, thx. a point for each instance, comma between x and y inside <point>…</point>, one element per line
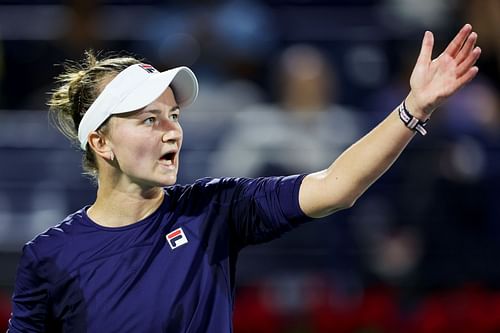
<point>432,81</point>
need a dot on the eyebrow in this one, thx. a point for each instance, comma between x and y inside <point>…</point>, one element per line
<point>156,111</point>
<point>138,113</point>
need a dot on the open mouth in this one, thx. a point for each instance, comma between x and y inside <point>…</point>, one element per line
<point>169,158</point>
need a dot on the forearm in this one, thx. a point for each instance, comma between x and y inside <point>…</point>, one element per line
<point>350,175</point>
<point>431,82</point>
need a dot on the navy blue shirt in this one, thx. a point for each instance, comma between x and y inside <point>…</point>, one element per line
<point>171,272</point>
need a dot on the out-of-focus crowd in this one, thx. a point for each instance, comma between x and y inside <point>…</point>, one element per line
<point>285,87</point>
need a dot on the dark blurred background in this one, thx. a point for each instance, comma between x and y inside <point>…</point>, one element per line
<point>286,86</point>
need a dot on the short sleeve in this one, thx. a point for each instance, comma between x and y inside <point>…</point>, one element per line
<point>30,298</point>
<point>265,208</point>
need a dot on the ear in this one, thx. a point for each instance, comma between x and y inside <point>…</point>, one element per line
<point>100,145</point>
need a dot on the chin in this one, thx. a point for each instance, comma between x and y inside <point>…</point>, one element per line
<point>168,180</point>
<point>160,181</point>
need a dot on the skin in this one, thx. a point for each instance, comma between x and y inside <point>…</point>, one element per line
<point>131,172</point>
<point>131,169</point>
<point>431,82</point>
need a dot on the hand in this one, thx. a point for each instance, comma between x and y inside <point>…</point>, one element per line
<point>432,81</point>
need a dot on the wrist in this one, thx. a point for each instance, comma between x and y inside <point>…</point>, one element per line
<point>415,109</point>
<point>413,123</point>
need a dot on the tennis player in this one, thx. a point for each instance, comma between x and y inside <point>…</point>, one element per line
<point>151,256</point>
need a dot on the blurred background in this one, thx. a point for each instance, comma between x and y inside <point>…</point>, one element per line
<point>285,87</point>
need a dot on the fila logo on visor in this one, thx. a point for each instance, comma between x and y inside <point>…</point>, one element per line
<point>148,68</point>
<point>176,238</point>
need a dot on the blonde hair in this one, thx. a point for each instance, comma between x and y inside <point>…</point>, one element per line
<point>77,88</point>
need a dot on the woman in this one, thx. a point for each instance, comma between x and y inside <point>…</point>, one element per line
<point>151,256</point>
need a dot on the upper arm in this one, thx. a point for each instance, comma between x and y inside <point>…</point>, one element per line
<point>265,208</point>
<point>322,193</point>
<point>30,298</point>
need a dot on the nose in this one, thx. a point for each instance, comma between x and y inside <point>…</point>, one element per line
<point>171,132</point>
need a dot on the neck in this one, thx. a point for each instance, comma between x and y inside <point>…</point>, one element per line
<point>118,206</point>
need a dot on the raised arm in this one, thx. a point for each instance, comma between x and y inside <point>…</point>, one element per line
<point>431,82</point>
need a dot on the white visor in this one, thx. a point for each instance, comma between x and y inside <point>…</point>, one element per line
<point>134,88</point>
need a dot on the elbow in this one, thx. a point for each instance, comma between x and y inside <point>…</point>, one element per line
<point>341,205</point>
<point>347,204</point>
<point>349,199</point>
<point>350,204</point>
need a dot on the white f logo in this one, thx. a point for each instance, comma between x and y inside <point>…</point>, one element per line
<point>176,238</point>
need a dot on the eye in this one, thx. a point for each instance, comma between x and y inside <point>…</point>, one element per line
<point>174,116</point>
<point>149,121</point>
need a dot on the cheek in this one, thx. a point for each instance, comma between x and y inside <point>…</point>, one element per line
<point>132,147</point>
<point>181,136</point>
<point>138,151</point>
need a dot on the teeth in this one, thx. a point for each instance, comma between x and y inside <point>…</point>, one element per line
<point>169,162</point>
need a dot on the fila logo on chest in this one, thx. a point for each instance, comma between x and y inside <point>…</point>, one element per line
<point>176,238</point>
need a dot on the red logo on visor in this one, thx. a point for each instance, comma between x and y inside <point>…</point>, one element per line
<point>148,68</point>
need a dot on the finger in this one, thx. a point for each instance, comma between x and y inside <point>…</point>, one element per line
<point>468,62</point>
<point>467,48</point>
<point>467,77</point>
<point>457,42</point>
<point>425,55</point>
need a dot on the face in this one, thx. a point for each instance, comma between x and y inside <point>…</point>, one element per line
<point>146,143</point>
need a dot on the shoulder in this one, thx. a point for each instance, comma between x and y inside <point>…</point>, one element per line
<point>205,185</point>
<point>222,187</point>
<point>54,239</point>
<point>205,189</point>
